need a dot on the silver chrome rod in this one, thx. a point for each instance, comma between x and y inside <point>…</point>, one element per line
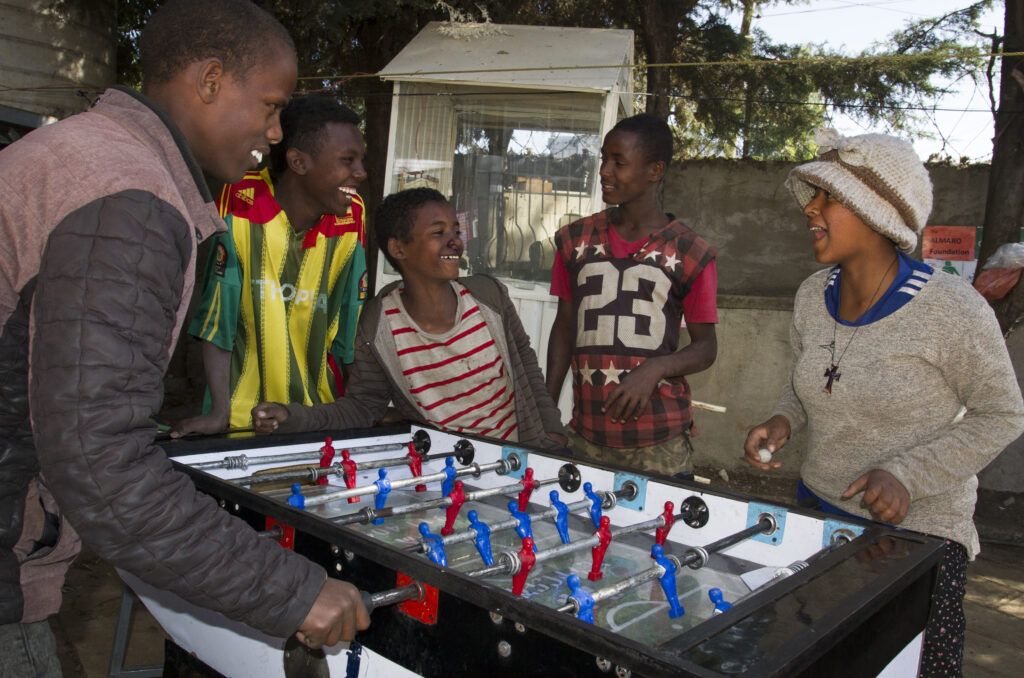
<point>366,514</point>
<point>242,461</point>
<point>624,585</point>
<point>580,544</point>
<point>313,474</point>
<point>501,467</point>
<point>372,601</point>
<point>697,557</point>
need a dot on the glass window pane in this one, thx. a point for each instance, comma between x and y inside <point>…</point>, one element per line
<point>518,165</point>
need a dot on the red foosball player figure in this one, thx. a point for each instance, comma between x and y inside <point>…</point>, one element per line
<point>661,533</point>
<point>529,485</point>
<point>416,465</point>
<point>527,560</point>
<point>326,459</point>
<point>458,498</point>
<point>604,535</point>
<point>349,467</point>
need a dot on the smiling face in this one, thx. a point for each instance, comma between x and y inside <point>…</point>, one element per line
<point>434,246</point>
<point>626,173</point>
<point>837,233</point>
<point>330,177</point>
<point>241,118</point>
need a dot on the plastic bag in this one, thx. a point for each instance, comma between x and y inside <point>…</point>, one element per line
<point>1010,255</point>
<point>1002,271</point>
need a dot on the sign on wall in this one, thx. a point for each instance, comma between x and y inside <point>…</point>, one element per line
<point>953,249</point>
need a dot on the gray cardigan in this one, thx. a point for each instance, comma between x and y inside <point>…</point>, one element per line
<point>904,378</point>
<point>375,377</point>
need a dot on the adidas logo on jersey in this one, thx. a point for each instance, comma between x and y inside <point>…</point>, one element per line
<point>246,195</point>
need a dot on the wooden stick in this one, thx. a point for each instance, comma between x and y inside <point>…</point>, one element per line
<point>707,406</point>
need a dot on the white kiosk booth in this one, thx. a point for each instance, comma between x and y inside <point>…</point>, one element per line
<point>510,126</point>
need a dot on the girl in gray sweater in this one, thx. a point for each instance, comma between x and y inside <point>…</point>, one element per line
<point>887,352</point>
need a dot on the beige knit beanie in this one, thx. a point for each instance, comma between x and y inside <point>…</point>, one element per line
<point>878,177</point>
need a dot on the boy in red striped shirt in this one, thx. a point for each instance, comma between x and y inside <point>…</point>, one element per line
<point>446,351</point>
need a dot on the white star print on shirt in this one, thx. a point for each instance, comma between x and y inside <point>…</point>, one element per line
<point>653,254</point>
<point>670,262</point>
<point>587,375</point>
<point>599,248</point>
<point>611,374</point>
<point>580,249</point>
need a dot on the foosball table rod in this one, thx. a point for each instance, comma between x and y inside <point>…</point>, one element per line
<point>420,442</point>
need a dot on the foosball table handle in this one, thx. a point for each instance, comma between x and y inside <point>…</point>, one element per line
<point>372,601</point>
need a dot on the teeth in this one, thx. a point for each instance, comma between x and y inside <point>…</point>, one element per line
<point>347,189</point>
<point>816,228</point>
<point>452,257</point>
<point>257,155</point>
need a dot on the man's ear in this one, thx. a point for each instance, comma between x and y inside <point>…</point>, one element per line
<point>209,79</point>
<point>395,249</point>
<point>657,171</point>
<point>297,161</point>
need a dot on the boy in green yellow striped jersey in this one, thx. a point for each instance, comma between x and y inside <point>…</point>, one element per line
<point>285,285</point>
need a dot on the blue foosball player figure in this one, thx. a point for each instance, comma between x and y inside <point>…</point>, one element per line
<point>596,501</point>
<point>524,529</point>
<point>483,537</point>
<point>584,601</point>
<point>383,490</point>
<point>297,499</point>
<point>718,600</point>
<point>561,517</point>
<point>434,544</point>
<point>449,482</point>
<point>668,581</point>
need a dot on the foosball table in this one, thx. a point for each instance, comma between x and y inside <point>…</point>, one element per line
<point>483,559</point>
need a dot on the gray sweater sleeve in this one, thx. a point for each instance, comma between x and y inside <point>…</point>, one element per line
<point>977,367</point>
<point>788,404</point>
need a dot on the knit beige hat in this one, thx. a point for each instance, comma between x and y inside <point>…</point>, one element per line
<point>878,177</point>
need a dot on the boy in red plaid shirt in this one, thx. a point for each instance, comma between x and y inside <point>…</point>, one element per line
<point>626,278</point>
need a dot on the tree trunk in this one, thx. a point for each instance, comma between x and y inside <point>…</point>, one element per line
<point>659,30</point>
<point>748,94</point>
<point>1004,207</point>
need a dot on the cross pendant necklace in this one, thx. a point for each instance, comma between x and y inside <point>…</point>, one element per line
<point>832,374</point>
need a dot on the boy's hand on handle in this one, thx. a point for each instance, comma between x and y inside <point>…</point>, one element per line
<point>770,435</point>
<point>338,613</point>
<point>884,496</point>
<point>266,417</point>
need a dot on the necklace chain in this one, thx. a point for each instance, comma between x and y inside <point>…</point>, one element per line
<point>832,373</point>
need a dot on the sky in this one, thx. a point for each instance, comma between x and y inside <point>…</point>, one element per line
<point>850,26</point>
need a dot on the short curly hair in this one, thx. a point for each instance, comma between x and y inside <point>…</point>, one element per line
<point>183,32</point>
<point>393,217</point>
<point>653,133</point>
<point>303,122</point>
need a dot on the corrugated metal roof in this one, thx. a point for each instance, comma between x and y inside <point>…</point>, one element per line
<point>553,49</point>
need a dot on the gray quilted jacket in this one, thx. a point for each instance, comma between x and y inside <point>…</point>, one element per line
<point>99,219</point>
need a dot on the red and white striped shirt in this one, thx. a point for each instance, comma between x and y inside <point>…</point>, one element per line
<point>457,379</point>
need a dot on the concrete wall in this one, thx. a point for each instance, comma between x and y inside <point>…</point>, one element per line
<point>744,209</point>
<point>764,253</point>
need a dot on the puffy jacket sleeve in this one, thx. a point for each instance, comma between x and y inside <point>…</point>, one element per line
<point>367,392</point>
<point>551,418</point>
<point>103,318</point>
